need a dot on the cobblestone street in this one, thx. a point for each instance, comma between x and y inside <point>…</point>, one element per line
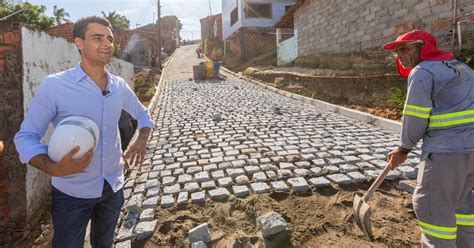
<point>219,139</point>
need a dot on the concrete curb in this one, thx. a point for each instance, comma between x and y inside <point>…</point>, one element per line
<point>351,113</point>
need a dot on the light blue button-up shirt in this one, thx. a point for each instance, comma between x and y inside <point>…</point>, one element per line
<point>73,93</point>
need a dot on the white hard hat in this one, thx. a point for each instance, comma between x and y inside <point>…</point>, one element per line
<point>71,132</point>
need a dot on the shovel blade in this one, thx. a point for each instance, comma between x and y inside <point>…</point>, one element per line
<point>362,213</point>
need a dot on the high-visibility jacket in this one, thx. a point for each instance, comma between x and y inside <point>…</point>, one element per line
<point>440,107</point>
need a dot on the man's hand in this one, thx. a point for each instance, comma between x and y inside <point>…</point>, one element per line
<point>67,166</point>
<point>136,152</point>
<point>396,157</point>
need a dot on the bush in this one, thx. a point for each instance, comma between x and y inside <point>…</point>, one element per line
<point>467,56</point>
<point>397,96</point>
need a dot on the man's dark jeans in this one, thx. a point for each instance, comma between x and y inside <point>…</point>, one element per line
<point>71,215</point>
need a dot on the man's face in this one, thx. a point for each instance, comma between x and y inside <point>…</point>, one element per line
<point>97,47</point>
<point>409,54</point>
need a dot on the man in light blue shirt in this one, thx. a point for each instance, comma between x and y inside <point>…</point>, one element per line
<point>89,188</point>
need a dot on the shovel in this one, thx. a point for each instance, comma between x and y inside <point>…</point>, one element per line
<point>362,210</point>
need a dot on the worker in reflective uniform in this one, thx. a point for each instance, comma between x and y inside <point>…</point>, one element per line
<point>440,109</point>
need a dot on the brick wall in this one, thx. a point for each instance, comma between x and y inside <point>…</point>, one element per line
<point>347,26</point>
<point>12,173</point>
<point>248,43</point>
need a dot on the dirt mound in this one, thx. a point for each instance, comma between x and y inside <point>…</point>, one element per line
<point>322,219</point>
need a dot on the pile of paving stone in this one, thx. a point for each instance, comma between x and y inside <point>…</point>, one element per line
<point>251,148</point>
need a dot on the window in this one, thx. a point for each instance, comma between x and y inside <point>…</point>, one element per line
<point>288,7</point>
<point>234,16</point>
<point>258,10</point>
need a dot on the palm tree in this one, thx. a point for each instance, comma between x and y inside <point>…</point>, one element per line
<point>59,14</point>
<point>118,22</point>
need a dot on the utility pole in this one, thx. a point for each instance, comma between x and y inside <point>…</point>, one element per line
<point>159,32</point>
<point>210,10</point>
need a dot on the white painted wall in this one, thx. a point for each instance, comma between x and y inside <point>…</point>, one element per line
<point>278,8</point>
<point>44,55</point>
<point>287,50</point>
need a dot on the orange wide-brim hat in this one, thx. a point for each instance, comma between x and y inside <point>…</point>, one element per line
<point>429,50</point>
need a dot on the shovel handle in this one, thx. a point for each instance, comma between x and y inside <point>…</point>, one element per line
<point>377,183</point>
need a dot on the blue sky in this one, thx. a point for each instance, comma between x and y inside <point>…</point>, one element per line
<point>140,12</point>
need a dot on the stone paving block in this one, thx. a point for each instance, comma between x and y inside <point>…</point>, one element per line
<point>152,183</point>
<point>178,172</point>
<point>331,169</point>
<point>303,164</point>
<point>126,230</point>
<point>124,244</point>
<point>351,159</point>
<point>302,172</point>
<point>356,177</point>
<point>298,184</point>
<point>407,185</point>
<point>201,176</point>
<point>198,197</point>
<point>251,169</point>
<point>182,198</point>
<point>240,190</point>
<point>318,171</point>
<point>216,160</point>
<point>134,204</point>
<point>191,187</point>
<point>339,178</point>
<point>393,175</point>
<point>259,177</point>
<point>287,166</point>
<point>217,174</point>
<point>173,189</point>
<point>266,167</point>
<point>242,180</point>
<point>308,157</point>
<point>366,157</point>
<point>264,160</point>
<point>151,202</point>
<point>129,183</point>
<point>198,244</point>
<point>219,194</point>
<point>252,161</point>
<point>271,175</point>
<point>167,201</point>
<point>173,166</point>
<point>169,180</point>
<point>235,172</point>
<point>153,192</point>
<point>225,181</point>
<point>408,171</point>
<point>193,170</point>
<point>210,167</point>
<point>365,166</point>
<point>153,175</point>
<point>185,178</point>
<point>127,193</point>
<point>283,174</point>
<point>260,188</point>
<point>280,186</point>
<point>142,178</point>
<point>189,164</point>
<point>238,163</point>
<point>147,214</point>
<point>379,163</point>
<point>271,223</point>
<point>372,174</point>
<point>345,168</point>
<point>145,229</point>
<point>208,185</point>
<point>199,233</point>
<point>319,162</point>
<point>225,165</point>
<point>335,161</point>
<point>139,189</point>
<point>319,182</point>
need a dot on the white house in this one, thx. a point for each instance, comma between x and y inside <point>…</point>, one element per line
<point>254,20</point>
<point>252,13</point>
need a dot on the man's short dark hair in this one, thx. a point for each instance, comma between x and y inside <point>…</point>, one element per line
<point>80,27</point>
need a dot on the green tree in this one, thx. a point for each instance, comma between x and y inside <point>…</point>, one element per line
<point>171,22</point>
<point>31,15</point>
<point>119,22</point>
<point>59,14</point>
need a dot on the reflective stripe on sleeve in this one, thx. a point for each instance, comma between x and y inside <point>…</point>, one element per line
<point>417,111</point>
<point>465,219</point>
<point>448,233</point>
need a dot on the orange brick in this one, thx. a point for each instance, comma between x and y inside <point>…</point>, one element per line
<point>4,213</point>
<point>4,186</point>
<point>3,199</point>
<point>10,38</point>
<point>1,39</point>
